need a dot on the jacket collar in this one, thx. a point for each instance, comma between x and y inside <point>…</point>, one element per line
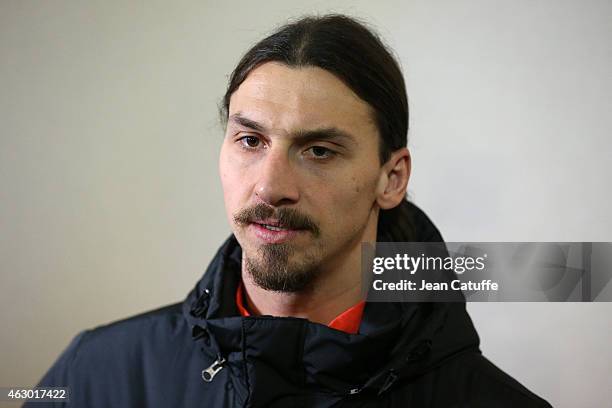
<point>395,340</point>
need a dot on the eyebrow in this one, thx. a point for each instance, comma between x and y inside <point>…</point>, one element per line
<point>246,122</point>
<point>304,136</point>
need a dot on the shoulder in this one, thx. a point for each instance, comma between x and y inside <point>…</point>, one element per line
<point>124,343</point>
<point>159,324</point>
<point>148,348</point>
<point>121,347</point>
<point>476,380</point>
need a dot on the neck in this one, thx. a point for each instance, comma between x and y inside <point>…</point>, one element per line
<point>335,290</point>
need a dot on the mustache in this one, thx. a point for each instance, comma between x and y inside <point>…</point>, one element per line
<point>287,217</point>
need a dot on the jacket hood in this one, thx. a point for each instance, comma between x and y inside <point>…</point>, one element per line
<point>396,341</point>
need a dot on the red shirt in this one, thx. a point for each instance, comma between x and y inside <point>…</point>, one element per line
<point>347,321</point>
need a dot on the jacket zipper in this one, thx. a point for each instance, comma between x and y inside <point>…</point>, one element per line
<point>209,373</point>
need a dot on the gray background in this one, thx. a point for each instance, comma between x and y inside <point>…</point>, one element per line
<point>110,202</point>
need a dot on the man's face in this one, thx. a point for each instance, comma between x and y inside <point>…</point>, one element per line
<point>300,168</point>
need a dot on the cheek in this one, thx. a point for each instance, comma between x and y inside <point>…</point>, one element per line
<point>348,204</point>
<point>361,188</point>
<point>225,175</point>
<point>231,182</point>
<point>234,170</point>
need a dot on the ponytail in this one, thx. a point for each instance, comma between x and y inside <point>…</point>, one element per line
<point>406,223</point>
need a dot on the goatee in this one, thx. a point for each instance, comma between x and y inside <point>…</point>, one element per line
<point>271,270</point>
<point>271,267</point>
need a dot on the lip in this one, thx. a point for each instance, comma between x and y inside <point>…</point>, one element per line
<point>273,237</point>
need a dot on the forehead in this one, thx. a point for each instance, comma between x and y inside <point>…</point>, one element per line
<point>287,98</point>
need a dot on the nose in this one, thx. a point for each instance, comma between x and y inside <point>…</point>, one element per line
<point>277,183</point>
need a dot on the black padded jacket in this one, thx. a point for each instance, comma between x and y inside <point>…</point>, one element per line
<point>202,353</point>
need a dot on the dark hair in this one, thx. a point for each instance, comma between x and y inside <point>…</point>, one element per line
<point>357,56</point>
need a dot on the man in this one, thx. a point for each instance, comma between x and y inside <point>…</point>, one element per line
<point>313,163</point>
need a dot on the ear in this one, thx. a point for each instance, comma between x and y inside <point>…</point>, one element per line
<point>393,182</point>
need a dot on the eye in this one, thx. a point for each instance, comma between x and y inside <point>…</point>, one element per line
<point>320,152</point>
<point>249,142</point>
